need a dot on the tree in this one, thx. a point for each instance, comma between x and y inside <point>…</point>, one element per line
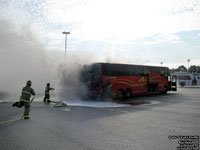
<point>194,69</point>
<point>172,70</point>
<point>181,68</point>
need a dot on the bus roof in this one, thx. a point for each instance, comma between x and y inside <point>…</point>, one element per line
<point>129,69</point>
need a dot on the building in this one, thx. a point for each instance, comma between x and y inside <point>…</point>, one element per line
<point>187,79</point>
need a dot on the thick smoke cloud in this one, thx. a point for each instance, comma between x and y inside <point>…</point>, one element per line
<point>71,86</point>
<point>23,58</point>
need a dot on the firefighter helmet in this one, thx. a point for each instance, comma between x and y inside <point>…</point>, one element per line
<point>29,83</point>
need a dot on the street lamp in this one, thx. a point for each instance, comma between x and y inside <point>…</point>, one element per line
<point>188,64</point>
<point>65,42</point>
<point>161,63</point>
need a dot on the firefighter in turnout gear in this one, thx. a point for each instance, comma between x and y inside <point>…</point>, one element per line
<point>47,95</point>
<point>27,91</point>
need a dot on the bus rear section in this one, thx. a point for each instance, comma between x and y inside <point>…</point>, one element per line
<point>124,80</point>
<point>91,77</point>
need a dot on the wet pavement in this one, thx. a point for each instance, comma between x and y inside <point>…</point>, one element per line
<point>146,124</point>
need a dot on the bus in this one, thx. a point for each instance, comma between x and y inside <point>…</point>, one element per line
<point>126,80</point>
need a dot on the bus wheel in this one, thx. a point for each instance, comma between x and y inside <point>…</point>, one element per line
<point>128,93</point>
<point>120,94</point>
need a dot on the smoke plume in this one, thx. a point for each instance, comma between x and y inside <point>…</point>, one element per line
<point>23,58</point>
<point>71,86</point>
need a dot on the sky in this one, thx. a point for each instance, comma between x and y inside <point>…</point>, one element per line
<point>125,31</point>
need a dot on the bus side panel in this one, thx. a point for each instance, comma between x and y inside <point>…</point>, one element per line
<point>137,84</point>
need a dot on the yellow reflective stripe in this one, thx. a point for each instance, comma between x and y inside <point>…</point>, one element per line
<point>26,116</point>
<point>26,92</point>
<point>24,100</point>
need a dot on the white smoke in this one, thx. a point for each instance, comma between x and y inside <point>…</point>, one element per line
<point>23,58</point>
<point>69,76</point>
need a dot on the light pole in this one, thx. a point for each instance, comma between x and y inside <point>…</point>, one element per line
<point>161,63</point>
<point>65,42</point>
<point>188,64</point>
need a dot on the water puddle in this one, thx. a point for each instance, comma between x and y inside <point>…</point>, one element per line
<point>93,103</point>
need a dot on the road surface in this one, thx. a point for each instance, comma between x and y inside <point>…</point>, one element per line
<point>137,127</point>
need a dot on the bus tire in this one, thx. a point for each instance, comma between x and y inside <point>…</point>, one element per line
<point>120,94</point>
<point>128,93</point>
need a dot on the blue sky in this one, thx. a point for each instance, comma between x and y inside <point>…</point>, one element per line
<point>125,31</point>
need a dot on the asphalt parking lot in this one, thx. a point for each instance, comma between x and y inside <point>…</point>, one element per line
<point>148,125</point>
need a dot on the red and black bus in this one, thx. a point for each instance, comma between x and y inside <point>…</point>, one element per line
<point>126,80</point>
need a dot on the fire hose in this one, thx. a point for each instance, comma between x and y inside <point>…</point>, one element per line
<point>4,122</point>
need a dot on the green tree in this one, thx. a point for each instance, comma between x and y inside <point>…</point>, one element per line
<point>172,70</point>
<point>194,69</point>
<point>181,68</point>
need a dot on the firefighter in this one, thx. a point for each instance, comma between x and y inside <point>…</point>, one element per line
<point>27,91</point>
<point>47,95</point>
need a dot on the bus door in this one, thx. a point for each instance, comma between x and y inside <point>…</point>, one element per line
<point>174,85</point>
<point>152,82</point>
<point>169,83</point>
<point>145,80</point>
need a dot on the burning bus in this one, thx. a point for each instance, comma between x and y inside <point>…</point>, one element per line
<point>126,80</point>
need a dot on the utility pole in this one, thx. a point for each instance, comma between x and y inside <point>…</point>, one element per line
<point>66,33</point>
<point>188,64</point>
